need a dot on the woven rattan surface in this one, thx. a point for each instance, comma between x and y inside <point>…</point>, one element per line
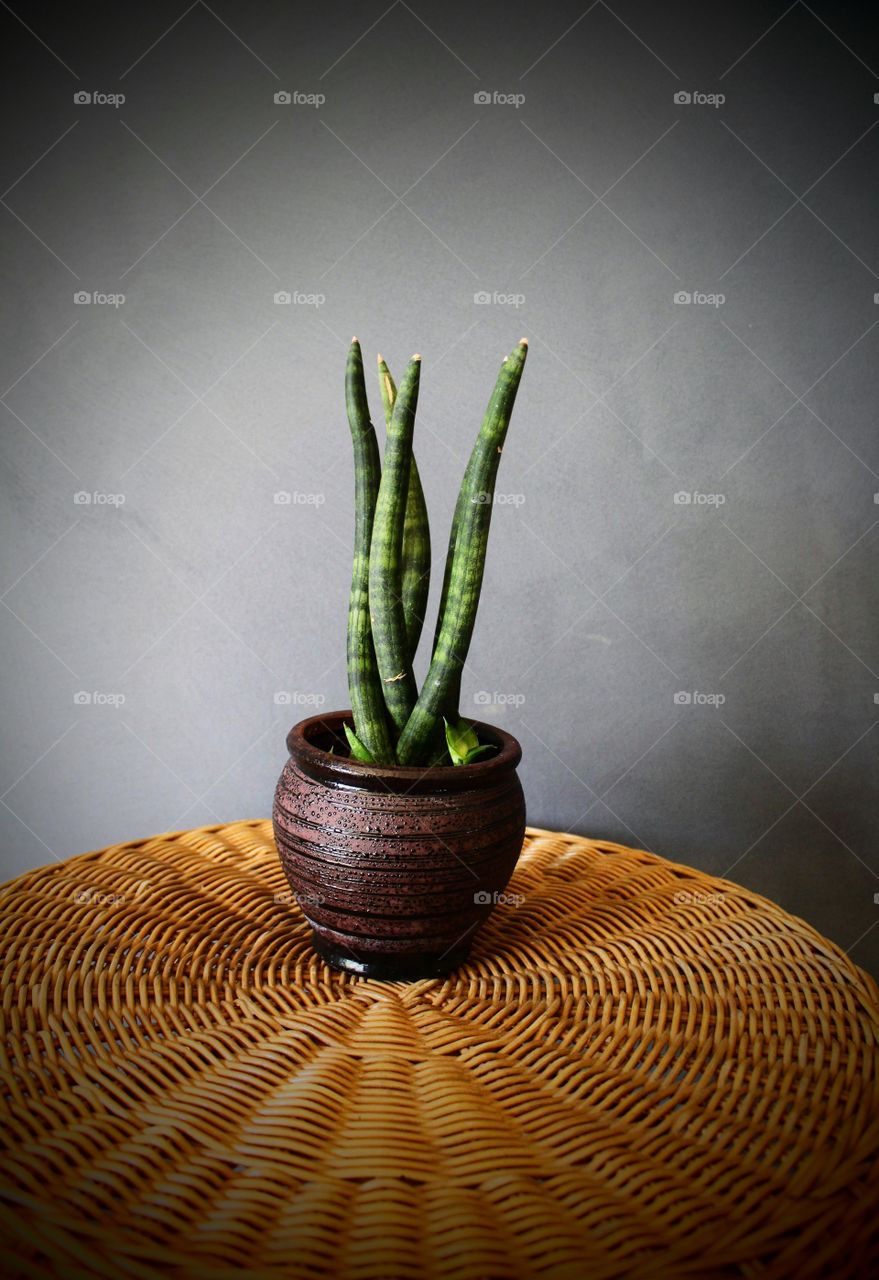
<point>641,1071</point>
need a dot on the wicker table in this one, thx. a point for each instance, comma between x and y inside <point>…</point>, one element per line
<point>641,1071</point>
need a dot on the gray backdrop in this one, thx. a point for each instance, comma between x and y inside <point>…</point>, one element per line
<point>675,203</point>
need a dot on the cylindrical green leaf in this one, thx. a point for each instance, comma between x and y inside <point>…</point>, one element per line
<point>386,551</point>
<point>415,573</point>
<point>364,686</point>
<point>464,575</point>
<point>415,563</point>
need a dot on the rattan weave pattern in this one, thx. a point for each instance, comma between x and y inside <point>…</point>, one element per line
<point>641,1071</point>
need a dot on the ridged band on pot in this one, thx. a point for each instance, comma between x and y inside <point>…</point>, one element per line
<point>395,868</point>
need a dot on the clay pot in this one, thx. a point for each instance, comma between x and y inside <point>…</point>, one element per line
<point>395,868</point>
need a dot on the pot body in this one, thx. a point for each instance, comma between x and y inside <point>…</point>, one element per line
<point>395,868</point>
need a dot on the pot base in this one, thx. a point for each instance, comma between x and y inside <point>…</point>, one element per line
<point>391,968</point>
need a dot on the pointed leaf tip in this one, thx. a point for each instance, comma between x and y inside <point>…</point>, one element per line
<point>461,740</point>
<point>358,750</point>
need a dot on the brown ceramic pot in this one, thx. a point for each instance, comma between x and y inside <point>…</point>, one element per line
<point>395,868</point>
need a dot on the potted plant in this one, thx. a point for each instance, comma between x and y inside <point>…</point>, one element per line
<point>398,823</point>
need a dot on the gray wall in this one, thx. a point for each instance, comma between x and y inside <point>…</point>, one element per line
<point>581,211</point>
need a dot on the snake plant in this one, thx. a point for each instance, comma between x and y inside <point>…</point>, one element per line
<point>394,722</point>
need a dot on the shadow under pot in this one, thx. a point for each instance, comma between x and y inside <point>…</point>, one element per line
<point>394,867</point>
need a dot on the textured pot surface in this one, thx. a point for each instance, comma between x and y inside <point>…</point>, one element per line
<point>395,868</point>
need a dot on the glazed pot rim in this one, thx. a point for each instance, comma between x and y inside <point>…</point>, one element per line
<point>344,771</point>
